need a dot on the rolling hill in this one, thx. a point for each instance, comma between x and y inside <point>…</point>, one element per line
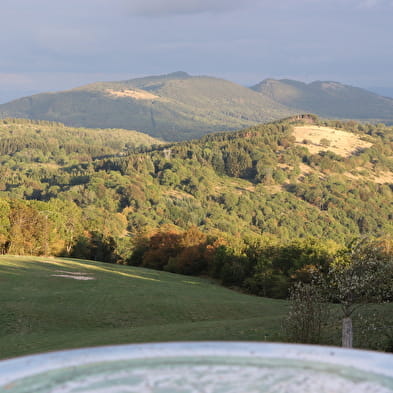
<point>52,304</point>
<point>178,106</point>
<point>328,99</point>
<point>22,134</point>
<point>171,107</point>
<point>335,177</point>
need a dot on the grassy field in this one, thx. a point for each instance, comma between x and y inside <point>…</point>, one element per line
<point>52,304</point>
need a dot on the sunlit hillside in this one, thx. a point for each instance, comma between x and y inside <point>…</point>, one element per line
<point>51,304</point>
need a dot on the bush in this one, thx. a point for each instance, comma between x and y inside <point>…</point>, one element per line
<point>308,314</point>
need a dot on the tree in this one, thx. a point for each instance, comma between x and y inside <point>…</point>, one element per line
<point>237,163</point>
<point>361,274</point>
<point>4,225</point>
<point>29,230</point>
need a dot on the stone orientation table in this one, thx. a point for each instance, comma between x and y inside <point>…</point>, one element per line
<point>200,367</point>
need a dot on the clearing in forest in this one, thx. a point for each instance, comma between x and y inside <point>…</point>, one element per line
<point>340,142</point>
<point>136,94</point>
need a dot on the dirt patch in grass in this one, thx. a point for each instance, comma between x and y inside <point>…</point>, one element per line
<point>274,189</point>
<point>306,169</point>
<point>383,177</point>
<point>379,178</point>
<point>340,142</point>
<point>242,186</point>
<point>74,275</point>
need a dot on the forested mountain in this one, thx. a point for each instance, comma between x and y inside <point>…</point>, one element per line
<point>171,107</point>
<point>178,106</point>
<point>328,99</point>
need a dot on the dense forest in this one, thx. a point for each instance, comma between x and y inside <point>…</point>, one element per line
<point>253,208</point>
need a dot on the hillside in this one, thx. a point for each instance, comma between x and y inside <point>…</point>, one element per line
<point>170,107</point>
<point>21,134</point>
<point>27,137</point>
<point>178,106</point>
<point>285,194</point>
<point>52,304</point>
<point>328,99</point>
<point>334,177</point>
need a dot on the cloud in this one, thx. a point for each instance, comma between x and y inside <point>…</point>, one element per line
<point>183,7</point>
<point>162,8</point>
<point>250,39</point>
<point>367,4</point>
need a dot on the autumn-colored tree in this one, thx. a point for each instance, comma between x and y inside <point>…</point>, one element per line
<point>29,230</point>
<point>190,258</point>
<point>162,246</point>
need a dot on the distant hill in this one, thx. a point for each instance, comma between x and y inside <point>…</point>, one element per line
<point>328,99</point>
<point>172,107</point>
<point>17,135</point>
<point>179,106</point>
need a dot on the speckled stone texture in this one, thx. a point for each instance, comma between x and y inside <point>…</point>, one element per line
<point>201,368</point>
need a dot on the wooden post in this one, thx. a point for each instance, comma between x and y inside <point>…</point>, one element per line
<point>347,333</point>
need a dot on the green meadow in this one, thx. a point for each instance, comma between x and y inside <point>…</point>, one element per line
<point>55,303</point>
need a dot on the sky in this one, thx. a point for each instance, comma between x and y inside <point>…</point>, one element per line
<point>50,45</point>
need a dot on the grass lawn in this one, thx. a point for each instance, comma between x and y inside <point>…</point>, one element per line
<point>56,303</point>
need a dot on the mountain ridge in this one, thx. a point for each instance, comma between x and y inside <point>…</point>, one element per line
<point>178,106</point>
<point>328,99</point>
<point>184,106</point>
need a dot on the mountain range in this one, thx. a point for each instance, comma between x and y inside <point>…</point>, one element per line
<point>179,106</point>
<point>328,99</point>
